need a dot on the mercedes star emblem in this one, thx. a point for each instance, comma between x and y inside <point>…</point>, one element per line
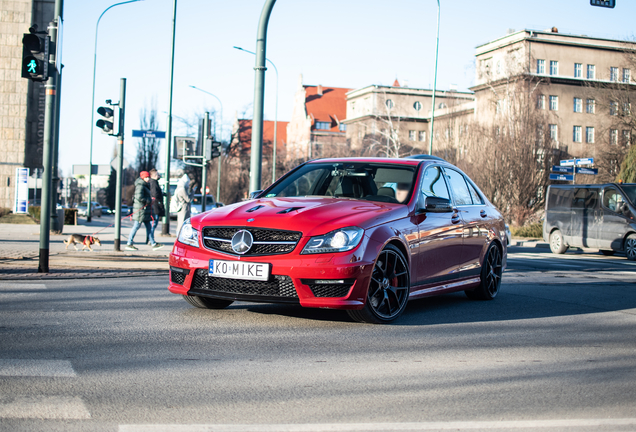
<point>242,242</point>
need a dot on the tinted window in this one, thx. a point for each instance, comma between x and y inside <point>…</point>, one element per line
<point>560,198</point>
<point>630,191</point>
<point>433,183</point>
<point>585,198</point>
<point>612,199</point>
<point>477,199</point>
<point>459,187</point>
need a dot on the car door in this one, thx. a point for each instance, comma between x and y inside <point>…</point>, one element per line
<point>439,234</point>
<point>473,212</point>
<point>614,225</point>
<point>583,226</point>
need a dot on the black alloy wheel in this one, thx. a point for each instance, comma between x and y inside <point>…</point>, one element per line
<point>491,272</point>
<point>388,291</point>
<point>630,247</point>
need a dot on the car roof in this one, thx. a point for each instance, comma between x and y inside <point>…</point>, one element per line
<point>397,161</point>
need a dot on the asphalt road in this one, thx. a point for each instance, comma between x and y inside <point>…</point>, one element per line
<point>554,351</point>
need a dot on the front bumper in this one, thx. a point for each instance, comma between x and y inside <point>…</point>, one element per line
<point>336,280</point>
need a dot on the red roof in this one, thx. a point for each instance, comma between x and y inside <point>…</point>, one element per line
<point>245,134</point>
<point>329,107</point>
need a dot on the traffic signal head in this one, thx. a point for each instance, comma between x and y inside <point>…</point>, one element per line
<point>35,57</point>
<point>106,123</point>
<point>212,149</point>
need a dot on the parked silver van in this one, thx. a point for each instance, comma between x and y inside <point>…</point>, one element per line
<point>595,216</point>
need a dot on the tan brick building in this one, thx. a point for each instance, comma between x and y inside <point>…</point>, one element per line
<point>21,101</point>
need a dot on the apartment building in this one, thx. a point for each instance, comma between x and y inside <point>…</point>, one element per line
<point>576,82</point>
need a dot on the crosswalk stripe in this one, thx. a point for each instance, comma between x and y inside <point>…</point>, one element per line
<point>36,368</point>
<point>44,407</point>
<point>16,286</point>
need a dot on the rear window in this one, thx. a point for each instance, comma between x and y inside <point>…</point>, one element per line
<point>559,198</point>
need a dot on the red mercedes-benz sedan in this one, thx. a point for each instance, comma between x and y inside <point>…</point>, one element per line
<point>361,234</point>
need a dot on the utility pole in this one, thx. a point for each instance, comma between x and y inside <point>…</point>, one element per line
<point>204,162</point>
<point>165,227</point>
<point>120,162</point>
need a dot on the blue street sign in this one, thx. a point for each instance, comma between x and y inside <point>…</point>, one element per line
<point>148,134</point>
<point>567,162</point>
<point>586,161</point>
<point>562,177</point>
<point>592,171</point>
<point>562,169</point>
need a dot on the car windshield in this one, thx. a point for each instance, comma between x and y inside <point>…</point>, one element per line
<point>358,180</point>
<point>630,191</point>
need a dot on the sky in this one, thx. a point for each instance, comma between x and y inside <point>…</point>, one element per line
<point>336,43</point>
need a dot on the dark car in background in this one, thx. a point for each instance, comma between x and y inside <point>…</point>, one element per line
<point>361,234</point>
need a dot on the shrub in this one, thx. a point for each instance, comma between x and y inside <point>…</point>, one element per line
<point>34,211</point>
<point>4,211</point>
<point>533,230</point>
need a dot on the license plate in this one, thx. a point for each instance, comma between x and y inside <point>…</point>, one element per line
<point>239,270</point>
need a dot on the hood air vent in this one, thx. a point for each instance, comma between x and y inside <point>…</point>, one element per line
<point>291,209</point>
<point>253,209</point>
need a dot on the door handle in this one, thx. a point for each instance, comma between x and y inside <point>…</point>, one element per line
<point>455,218</point>
<point>483,213</point>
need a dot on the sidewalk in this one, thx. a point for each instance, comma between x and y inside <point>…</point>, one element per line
<point>20,248</point>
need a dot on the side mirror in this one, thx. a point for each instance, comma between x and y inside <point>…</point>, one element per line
<point>254,194</point>
<point>437,205</point>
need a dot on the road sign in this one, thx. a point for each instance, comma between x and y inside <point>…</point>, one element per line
<point>562,169</point>
<point>562,177</point>
<point>591,171</point>
<point>148,134</point>
<point>567,162</point>
<point>97,169</point>
<point>586,161</point>
<point>603,3</point>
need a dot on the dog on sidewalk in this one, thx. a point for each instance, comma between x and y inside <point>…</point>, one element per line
<point>86,241</point>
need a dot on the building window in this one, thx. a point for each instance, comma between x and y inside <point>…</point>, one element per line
<point>342,127</point>
<point>554,67</point>
<point>412,135</point>
<point>554,103</point>
<point>554,132</point>
<point>613,108</point>
<point>613,74</point>
<point>323,125</point>
<point>578,105</point>
<point>389,104</point>
<point>422,136</point>
<point>591,71</point>
<point>541,101</point>
<point>626,137</point>
<point>540,66</point>
<point>576,134</point>
<point>578,70</point>
<point>590,106</point>
<point>626,75</point>
<point>417,106</point>
<point>627,108</point>
<point>589,135</point>
<point>613,136</point>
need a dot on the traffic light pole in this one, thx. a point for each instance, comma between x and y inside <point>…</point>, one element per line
<point>204,162</point>
<point>120,162</point>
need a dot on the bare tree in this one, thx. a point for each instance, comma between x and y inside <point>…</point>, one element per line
<point>148,148</point>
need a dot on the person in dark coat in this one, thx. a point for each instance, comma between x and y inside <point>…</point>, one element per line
<point>142,211</point>
<point>158,210</point>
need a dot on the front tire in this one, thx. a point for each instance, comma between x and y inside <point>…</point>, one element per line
<point>490,276</point>
<point>388,290</point>
<point>207,303</point>
<point>557,244</point>
<point>630,247</point>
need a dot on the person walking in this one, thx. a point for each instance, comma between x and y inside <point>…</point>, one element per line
<point>182,200</point>
<point>158,210</point>
<point>142,211</point>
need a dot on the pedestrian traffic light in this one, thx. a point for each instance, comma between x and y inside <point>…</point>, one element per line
<point>212,149</point>
<point>106,123</point>
<point>35,57</point>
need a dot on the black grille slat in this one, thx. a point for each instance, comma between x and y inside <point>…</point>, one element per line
<point>330,290</point>
<point>277,286</point>
<point>218,238</point>
<point>176,277</point>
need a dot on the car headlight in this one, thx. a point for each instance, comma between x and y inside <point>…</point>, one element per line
<point>341,240</point>
<point>188,235</point>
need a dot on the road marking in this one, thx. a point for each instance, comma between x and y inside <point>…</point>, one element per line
<point>354,427</point>
<point>44,407</point>
<point>13,286</point>
<point>37,368</point>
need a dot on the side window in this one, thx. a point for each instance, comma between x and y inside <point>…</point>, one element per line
<point>585,199</point>
<point>459,187</point>
<point>433,183</point>
<point>612,199</point>
<point>477,199</point>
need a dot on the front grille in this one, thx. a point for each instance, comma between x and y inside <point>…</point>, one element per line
<point>178,275</point>
<point>277,286</point>
<point>330,290</point>
<point>266,241</point>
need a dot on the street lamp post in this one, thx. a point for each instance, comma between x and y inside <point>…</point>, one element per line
<point>218,179</point>
<point>275,114</point>
<point>90,154</point>
<point>430,145</point>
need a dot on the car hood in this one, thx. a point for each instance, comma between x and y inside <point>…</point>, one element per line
<point>309,215</point>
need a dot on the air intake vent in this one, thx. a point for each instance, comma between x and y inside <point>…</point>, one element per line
<point>291,209</point>
<point>253,209</point>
